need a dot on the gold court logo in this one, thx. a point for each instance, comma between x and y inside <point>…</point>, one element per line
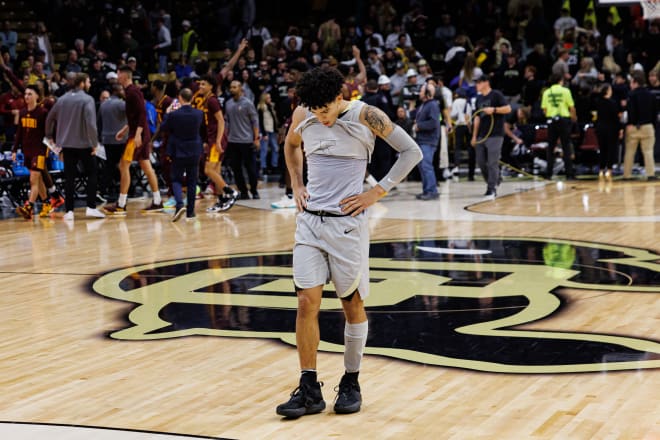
<point>443,302</point>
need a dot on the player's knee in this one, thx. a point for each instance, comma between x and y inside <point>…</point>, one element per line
<point>307,303</point>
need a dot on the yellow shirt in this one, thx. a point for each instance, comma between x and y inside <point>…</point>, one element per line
<point>556,101</point>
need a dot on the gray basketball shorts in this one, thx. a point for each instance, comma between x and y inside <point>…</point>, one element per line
<point>332,249</point>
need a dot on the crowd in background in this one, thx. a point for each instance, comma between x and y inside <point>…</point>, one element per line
<point>387,50</point>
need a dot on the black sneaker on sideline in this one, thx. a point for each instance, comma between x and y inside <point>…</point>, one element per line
<point>348,398</point>
<point>306,399</point>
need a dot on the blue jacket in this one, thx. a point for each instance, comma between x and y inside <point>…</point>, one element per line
<point>428,123</point>
<point>183,126</point>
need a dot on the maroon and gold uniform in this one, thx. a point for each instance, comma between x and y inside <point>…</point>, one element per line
<point>31,130</point>
<point>210,106</point>
<point>136,115</point>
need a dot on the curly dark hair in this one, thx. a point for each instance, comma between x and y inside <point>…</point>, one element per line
<point>319,87</point>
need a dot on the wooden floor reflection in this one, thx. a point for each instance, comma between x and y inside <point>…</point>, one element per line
<point>91,339</point>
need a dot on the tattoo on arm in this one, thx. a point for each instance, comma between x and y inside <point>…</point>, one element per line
<point>377,120</point>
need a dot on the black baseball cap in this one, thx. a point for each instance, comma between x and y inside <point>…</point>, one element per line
<point>482,78</point>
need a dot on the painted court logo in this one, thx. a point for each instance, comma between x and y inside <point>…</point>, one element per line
<point>459,303</point>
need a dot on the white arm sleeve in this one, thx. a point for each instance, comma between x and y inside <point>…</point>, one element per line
<point>409,155</point>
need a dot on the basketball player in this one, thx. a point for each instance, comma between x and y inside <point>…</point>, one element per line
<point>332,234</point>
<point>137,147</point>
<point>161,102</point>
<point>30,132</point>
<point>214,151</point>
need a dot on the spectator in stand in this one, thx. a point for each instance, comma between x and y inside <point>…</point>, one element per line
<point>71,64</point>
<point>540,59</point>
<point>403,120</point>
<point>445,32</point>
<point>257,35</point>
<point>11,103</point>
<point>271,48</point>
<point>390,61</point>
<point>468,74</point>
<point>37,73</point>
<point>43,42</point>
<point>9,38</point>
<point>564,23</point>
<point>509,79</point>
<point>30,51</point>
<point>329,34</point>
<point>587,75</point>
<point>183,69</point>
<point>560,67</point>
<point>187,42</point>
<point>410,91</point>
<point>6,57</point>
<point>353,82</point>
<point>163,44</point>
<point>423,71</point>
<point>393,38</point>
<point>138,77</point>
<point>372,39</point>
<point>398,80</point>
<point>374,63</point>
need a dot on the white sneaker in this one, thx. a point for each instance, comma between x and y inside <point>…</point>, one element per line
<point>284,202</point>
<point>93,212</point>
<point>68,216</point>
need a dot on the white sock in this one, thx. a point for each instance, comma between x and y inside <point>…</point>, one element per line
<point>157,199</point>
<point>52,189</point>
<point>121,202</point>
<point>355,339</point>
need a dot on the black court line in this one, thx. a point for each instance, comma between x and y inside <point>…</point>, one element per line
<point>141,431</point>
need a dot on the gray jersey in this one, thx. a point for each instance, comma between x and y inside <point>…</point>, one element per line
<point>337,157</point>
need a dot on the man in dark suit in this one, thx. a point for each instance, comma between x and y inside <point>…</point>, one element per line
<point>184,146</point>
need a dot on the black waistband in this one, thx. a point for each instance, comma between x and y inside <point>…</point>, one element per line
<point>325,213</point>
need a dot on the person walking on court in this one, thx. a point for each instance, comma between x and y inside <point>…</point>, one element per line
<point>184,147</point>
<point>214,150</point>
<point>608,130</point>
<point>75,116</point>
<point>558,106</point>
<point>243,138</point>
<point>332,233</point>
<point>111,118</point>
<point>487,133</point>
<point>137,147</point>
<point>29,135</point>
<point>642,113</point>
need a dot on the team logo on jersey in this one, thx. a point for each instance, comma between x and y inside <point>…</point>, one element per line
<point>489,304</point>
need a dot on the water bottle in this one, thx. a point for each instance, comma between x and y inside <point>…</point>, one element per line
<point>19,166</point>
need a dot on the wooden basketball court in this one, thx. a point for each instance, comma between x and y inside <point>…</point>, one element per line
<point>535,315</point>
